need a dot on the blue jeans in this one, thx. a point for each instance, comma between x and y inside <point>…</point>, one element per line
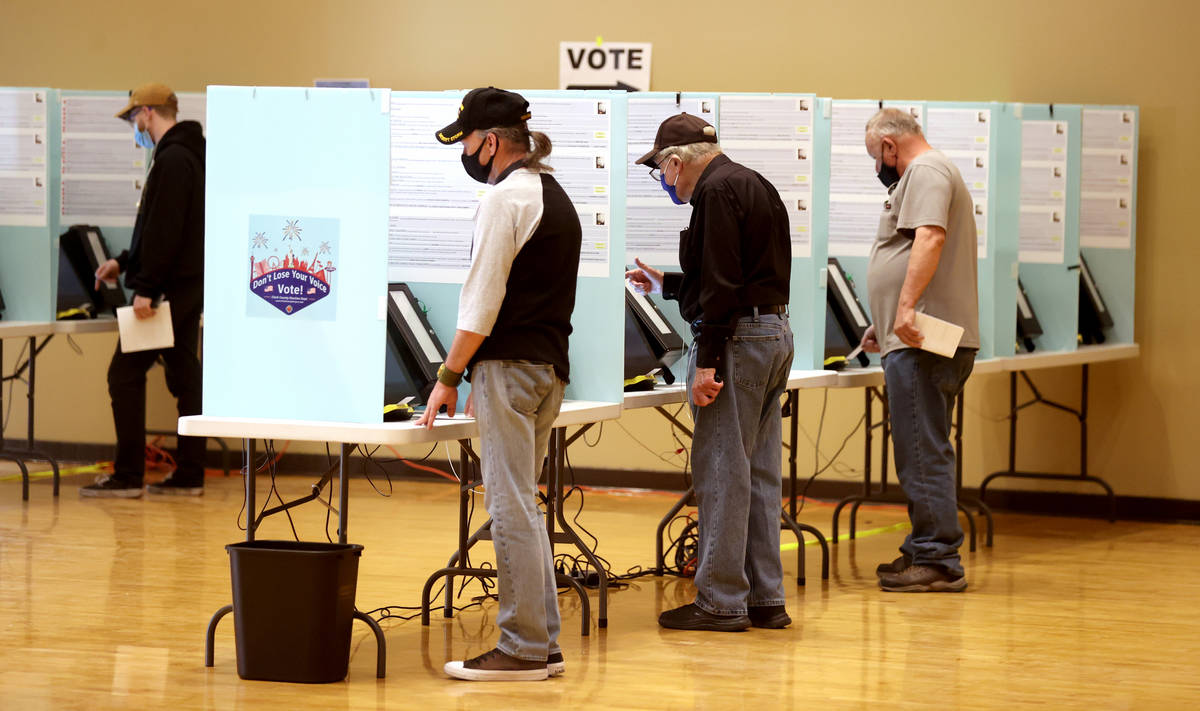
<point>921,390</point>
<point>736,458</point>
<point>516,402</point>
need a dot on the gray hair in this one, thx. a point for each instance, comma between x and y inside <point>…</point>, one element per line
<point>688,153</point>
<point>893,122</point>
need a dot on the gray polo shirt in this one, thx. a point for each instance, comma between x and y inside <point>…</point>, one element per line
<point>931,192</point>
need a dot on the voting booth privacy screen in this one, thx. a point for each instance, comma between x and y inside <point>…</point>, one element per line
<point>295,274</point>
<point>432,205</point>
<point>65,160</point>
<point>319,198</point>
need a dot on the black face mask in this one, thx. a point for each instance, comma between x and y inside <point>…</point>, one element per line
<point>474,168</point>
<point>888,174</point>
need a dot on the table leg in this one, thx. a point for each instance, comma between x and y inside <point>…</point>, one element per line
<point>343,491</point>
<point>1080,415</point>
<point>248,482</point>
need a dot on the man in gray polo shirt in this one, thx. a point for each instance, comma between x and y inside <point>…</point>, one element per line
<point>923,260</point>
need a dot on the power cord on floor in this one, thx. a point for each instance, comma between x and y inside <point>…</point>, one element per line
<point>832,460</point>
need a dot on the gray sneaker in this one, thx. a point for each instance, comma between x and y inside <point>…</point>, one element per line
<point>923,578</point>
<point>896,566</point>
<point>109,487</point>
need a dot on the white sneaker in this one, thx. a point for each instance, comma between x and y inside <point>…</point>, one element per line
<point>495,665</point>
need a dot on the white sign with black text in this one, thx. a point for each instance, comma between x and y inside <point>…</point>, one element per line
<point>604,65</point>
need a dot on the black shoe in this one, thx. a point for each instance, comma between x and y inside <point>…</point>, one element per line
<point>923,578</point>
<point>690,617</point>
<point>176,486</point>
<point>771,617</point>
<point>896,566</point>
<point>555,666</point>
<point>110,487</point>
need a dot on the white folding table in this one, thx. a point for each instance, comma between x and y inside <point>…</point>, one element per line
<point>459,428</point>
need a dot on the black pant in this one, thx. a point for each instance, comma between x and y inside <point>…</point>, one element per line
<point>127,387</point>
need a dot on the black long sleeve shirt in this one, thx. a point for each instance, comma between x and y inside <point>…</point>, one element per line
<point>166,255</point>
<point>735,255</point>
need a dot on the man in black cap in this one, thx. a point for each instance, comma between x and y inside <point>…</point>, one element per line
<point>514,319</point>
<point>733,289</point>
<point>165,261</point>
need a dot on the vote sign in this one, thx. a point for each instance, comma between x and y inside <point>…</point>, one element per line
<point>604,65</point>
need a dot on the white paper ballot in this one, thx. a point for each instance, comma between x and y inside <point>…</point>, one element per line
<point>940,336</point>
<point>145,334</point>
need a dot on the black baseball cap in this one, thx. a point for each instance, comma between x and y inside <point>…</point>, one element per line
<point>487,107</point>
<point>679,130</point>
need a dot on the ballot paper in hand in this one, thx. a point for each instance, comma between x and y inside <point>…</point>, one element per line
<point>941,337</point>
<point>145,334</point>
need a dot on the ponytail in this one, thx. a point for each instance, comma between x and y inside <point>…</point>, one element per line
<point>535,161</point>
<point>535,144</point>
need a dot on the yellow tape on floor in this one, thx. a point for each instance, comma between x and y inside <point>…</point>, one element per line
<point>903,526</point>
<point>86,469</point>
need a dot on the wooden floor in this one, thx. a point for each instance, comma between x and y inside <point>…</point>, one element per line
<point>104,604</point>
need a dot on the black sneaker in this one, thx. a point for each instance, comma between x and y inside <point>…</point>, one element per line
<point>771,617</point>
<point>495,665</point>
<point>690,617</point>
<point>110,487</point>
<point>923,578</point>
<point>176,486</point>
<point>555,666</point>
<point>896,566</point>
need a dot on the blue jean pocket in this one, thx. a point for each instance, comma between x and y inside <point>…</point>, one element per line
<point>526,384</point>
<point>753,358</point>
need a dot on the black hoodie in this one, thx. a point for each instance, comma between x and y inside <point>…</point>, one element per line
<point>166,256</point>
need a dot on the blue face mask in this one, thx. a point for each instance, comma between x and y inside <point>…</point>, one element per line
<point>662,178</point>
<point>143,139</point>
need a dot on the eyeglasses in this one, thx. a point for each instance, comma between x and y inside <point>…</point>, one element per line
<point>656,173</point>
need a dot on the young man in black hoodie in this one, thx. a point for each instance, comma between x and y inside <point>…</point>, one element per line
<point>164,262</point>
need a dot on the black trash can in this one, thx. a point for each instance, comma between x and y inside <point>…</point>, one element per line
<point>293,606</point>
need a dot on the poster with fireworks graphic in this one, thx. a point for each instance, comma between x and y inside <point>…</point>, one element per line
<point>293,267</point>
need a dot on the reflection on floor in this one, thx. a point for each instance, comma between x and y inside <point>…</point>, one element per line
<point>105,603</point>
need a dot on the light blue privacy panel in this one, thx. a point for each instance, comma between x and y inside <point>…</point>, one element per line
<point>807,296</point>
<point>822,144</point>
<point>1006,214</point>
<point>1112,265</point>
<point>855,265</point>
<point>1053,288</point>
<point>596,343</point>
<point>438,300</point>
<point>806,287</point>
<point>674,217</point>
<point>113,208</point>
<point>300,174</point>
<point>807,311</point>
<point>995,264</point>
<point>26,228</point>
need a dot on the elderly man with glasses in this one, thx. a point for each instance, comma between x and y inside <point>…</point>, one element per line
<point>733,289</point>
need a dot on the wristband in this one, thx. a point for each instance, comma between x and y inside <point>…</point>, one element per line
<point>448,377</point>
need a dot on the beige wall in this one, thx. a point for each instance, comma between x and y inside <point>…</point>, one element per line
<point>1100,51</point>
